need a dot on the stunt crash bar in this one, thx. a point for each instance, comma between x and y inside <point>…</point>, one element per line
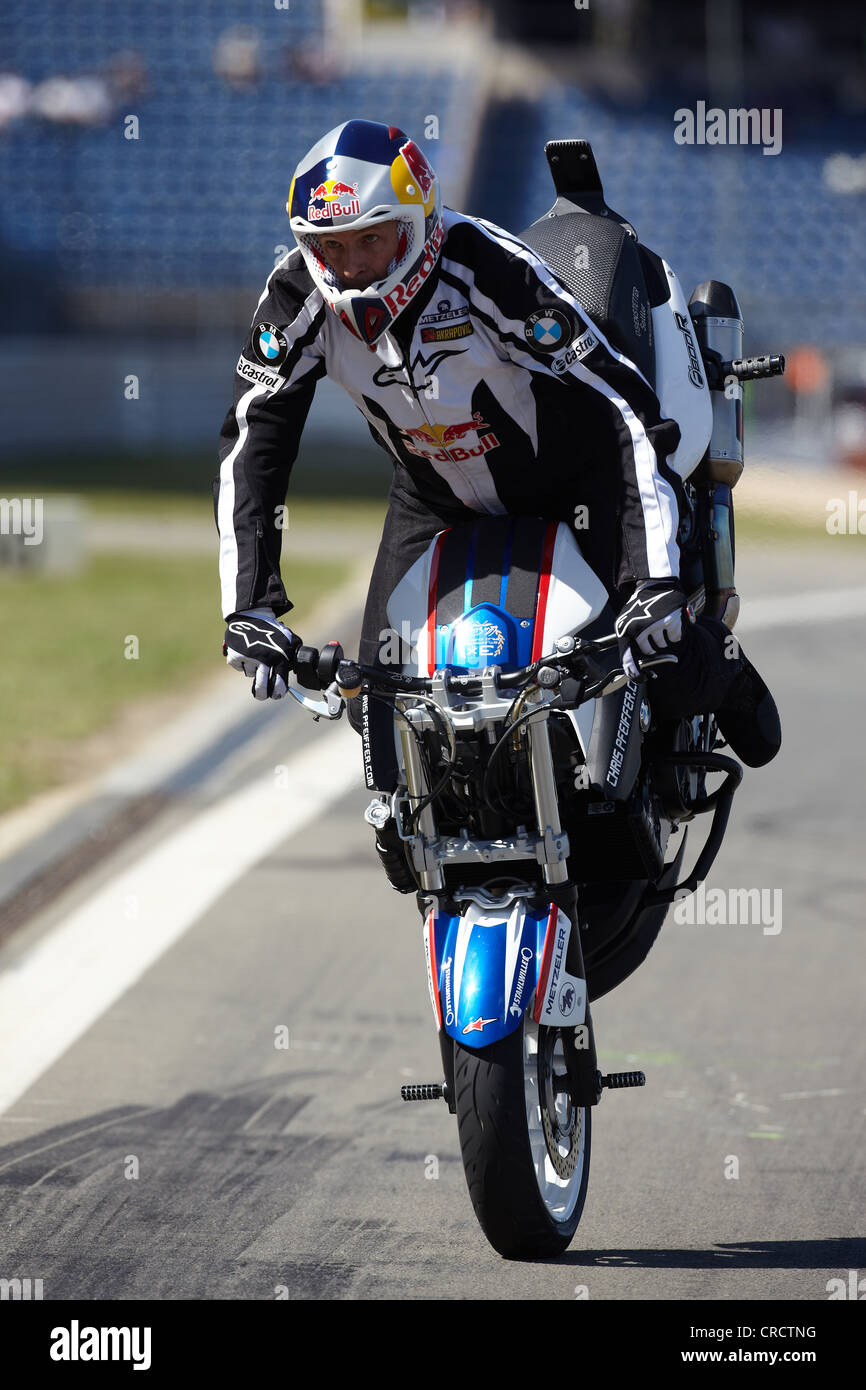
<point>720,800</point>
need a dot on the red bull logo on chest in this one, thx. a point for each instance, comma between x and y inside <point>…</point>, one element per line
<point>443,442</point>
<point>339,199</point>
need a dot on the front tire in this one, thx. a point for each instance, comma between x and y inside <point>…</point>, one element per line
<point>525,1144</point>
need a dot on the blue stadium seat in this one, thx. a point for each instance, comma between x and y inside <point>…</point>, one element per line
<point>765,223</point>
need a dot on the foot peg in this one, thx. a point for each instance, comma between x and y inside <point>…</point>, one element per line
<point>619,1079</point>
<point>430,1090</point>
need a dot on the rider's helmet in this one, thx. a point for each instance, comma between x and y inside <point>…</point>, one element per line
<point>359,174</point>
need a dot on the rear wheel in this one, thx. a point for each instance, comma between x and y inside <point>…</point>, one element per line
<point>525,1143</point>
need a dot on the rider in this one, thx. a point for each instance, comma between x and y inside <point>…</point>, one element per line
<point>492,392</point>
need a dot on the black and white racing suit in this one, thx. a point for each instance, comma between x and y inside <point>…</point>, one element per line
<point>493,393</point>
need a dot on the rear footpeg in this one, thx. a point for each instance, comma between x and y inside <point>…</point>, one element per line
<point>617,1080</point>
<point>430,1090</point>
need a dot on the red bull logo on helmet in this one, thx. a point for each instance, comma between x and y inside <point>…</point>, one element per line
<point>419,169</point>
<point>340,200</point>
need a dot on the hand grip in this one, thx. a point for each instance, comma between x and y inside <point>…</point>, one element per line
<point>348,679</point>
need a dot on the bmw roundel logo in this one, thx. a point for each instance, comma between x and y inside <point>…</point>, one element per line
<point>548,330</point>
<point>269,345</point>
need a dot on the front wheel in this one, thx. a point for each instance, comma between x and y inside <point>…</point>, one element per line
<point>525,1144</point>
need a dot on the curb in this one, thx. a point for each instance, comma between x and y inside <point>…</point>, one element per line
<point>49,842</point>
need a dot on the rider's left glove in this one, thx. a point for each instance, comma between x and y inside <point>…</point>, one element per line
<point>258,645</point>
<point>652,620</point>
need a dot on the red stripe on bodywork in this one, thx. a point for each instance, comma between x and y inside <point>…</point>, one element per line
<point>431,605</point>
<point>543,588</point>
<point>431,937</point>
<point>546,957</point>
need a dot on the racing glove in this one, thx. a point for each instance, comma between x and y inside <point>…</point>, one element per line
<point>257,645</point>
<point>651,621</point>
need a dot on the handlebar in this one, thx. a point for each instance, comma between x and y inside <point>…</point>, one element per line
<point>340,678</point>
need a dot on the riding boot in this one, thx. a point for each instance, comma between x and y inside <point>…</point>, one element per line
<point>748,717</point>
<point>713,673</point>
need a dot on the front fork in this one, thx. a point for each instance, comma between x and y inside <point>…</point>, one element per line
<point>579,1043</point>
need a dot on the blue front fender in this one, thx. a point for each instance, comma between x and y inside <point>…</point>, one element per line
<point>486,968</point>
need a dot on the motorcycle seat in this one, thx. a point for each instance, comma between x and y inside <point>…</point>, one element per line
<point>600,263</point>
<point>631,294</point>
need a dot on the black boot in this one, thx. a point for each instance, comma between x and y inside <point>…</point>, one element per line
<point>748,717</point>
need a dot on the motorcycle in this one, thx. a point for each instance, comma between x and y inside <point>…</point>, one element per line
<point>538,793</point>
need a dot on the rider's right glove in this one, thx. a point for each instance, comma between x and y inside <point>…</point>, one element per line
<point>257,645</point>
<point>651,621</point>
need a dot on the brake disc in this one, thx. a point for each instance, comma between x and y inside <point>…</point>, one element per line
<point>561,1119</point>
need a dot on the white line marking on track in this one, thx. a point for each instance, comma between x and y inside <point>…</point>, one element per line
<point>52,995</point>
<point>806,1095</point>
<point>792,610</point>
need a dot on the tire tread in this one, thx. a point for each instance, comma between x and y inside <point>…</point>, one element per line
<point>494,1140</point>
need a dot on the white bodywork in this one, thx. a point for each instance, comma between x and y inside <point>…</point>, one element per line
<point>575,597</point>
<point>560,998</point>
<point>682,391</point>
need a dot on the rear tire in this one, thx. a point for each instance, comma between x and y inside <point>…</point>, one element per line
<point>525,1146</point>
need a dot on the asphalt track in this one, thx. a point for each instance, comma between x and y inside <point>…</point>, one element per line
<point>173,1150</point>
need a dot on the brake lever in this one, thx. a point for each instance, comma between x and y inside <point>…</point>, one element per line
<point>615,680</point>
<point>618,678</point>
<point>648,662</point>
<point>330,708</point>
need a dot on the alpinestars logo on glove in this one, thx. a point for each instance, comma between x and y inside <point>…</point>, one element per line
<point>264,637</point>
<point>642,608</point>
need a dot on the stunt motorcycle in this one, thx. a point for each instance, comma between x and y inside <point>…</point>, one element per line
<point>538,793</point>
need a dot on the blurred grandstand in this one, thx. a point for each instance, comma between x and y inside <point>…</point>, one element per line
<point>146,152</point>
